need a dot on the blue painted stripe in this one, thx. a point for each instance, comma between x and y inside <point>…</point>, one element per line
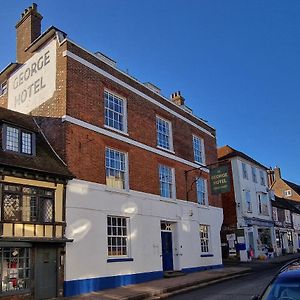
<point>82,286</point>
<point>206,255</point>
<point>204,268</point>
<point>110,260</point>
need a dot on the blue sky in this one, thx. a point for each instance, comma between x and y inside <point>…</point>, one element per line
<point>236,62</point>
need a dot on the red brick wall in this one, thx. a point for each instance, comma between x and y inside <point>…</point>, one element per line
<point>88,148</point>
<point>3,101</point>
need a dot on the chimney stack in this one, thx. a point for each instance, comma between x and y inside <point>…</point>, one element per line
<point>277,173</point>
<point>177,98</point>
<point>271,177</point>
<point>28,29</point>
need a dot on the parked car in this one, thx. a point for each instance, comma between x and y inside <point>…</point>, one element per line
<point>285,285</point>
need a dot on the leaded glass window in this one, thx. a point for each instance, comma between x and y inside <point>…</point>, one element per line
<point>27,204</point>
<point>12,139</point>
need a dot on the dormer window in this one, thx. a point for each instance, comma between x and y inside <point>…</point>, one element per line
<point>18,140</point>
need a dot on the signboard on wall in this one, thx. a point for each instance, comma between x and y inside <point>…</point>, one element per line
<point>35,82</point>
<point>220,179</point>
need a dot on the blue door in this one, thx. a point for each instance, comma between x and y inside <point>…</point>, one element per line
<point>167,250</point>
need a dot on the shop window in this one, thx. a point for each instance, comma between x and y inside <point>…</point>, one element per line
<point>15,269</point>
<point>27,204</point>
<point>278,239</point>
<point>290,238</point>
<point>117,236</point>
<point>204,238</point>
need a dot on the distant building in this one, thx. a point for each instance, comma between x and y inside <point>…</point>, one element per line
<point>136,209</point>
<point>286,218</point>
<point>248,222</point>
<point>32,226</point>
<point>283,188</point>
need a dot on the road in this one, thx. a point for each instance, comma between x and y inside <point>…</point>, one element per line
<point>242,288</point>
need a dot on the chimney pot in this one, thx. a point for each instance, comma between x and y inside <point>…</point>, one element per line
<point>28,29</point>
<point>177,98</point>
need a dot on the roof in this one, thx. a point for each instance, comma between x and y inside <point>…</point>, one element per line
<point>286,204</point>
<point>294,186</point>
<point>45,161</point>
<point>227,152</point>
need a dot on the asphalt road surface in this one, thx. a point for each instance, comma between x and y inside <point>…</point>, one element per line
<point>242,288</point>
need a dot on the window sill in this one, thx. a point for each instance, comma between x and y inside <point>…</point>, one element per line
<point>166,149</point>
<point>116,190</point>
<point>169,200</point>
<point>116,130</point>
<point>205,206</point>
<point>207,255</point>
<point>121,259</point>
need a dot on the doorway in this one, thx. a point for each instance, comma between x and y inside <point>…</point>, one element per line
<point>46,273</point>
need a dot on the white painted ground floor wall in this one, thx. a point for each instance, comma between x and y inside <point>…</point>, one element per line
<point>87,207</point>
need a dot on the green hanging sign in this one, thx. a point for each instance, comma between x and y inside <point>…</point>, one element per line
<point>220,180</point>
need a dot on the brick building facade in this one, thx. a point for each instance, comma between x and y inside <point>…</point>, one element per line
<point>130,149</point>
<point>248,222</point>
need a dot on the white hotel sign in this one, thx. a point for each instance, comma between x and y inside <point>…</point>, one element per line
<point>34,82</point>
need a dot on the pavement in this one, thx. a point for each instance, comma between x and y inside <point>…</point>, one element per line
<point>167,287</point>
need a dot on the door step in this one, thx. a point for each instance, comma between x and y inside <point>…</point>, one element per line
<point>170,274</point>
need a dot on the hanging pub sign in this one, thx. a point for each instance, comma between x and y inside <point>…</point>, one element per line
<point>220,179</point>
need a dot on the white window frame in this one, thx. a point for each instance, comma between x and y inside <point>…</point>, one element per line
<point>287,193</point>
<point>203,201</point>
<point>262,177</point>
<point>248,201</point>
<point>126,171</point>
<point>201,151</point>
<point>125,129</point>
<point>205,241</point>
<point>287,216</point>
<point>254,174</point>
<point>170,136</point>
<point>110,234</point>
<point>172,183</point>
<point>275,213</point>
<point>245,170</point>
<point>263,208</point>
